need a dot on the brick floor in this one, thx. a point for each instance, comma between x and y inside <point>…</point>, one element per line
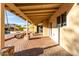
<point>37,46</point>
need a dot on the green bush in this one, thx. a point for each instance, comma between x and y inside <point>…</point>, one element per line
<point>20,28</point>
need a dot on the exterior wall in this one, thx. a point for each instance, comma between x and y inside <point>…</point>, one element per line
<point>69,34</point>
<point>54,34</point>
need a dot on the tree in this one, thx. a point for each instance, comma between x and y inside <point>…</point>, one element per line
<point>20,27</point>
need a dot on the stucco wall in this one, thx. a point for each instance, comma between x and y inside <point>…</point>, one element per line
<point>69,34</point>
<point>55,32</point>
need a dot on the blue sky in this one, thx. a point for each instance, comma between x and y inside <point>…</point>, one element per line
<point>13,19</point>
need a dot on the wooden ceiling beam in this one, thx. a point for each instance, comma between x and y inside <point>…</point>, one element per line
<point>38,18</point>
<point>18,11</point>
<point>44,6</point>
<point>28,4</point>
<point>40,11</point>
<point>38,14</point>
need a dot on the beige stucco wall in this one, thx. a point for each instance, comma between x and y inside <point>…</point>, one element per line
<point>69,34</point>
<point>53,19</point>
<point>54,34</point>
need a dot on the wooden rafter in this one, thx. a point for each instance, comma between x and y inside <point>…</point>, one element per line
<point>42,14</point>
<point>18,11</point>
<point>34,12</point>
<point>39,7</point>
<point>40,11</point>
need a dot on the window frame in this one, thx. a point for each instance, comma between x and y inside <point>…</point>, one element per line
<point>61,20</point>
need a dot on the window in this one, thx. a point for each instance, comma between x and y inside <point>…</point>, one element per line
<point>61,20</point>
<point>58,22</point>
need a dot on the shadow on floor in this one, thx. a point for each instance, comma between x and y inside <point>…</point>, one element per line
<point>33,51</point>
<point>35,38</point>
<point>30,52</point>
<point>37,34</point>
<point>51,46</point>
<point>9,38</point>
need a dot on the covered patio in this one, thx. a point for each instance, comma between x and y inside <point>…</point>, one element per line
<point>54,29</point>
<point>37,46</point>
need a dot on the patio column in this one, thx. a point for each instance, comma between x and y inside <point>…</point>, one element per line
<point>35,28</point>
<point>1,25</point>
<point>45,28</point>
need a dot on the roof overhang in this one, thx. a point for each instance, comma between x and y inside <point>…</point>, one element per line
<point>33,12</point>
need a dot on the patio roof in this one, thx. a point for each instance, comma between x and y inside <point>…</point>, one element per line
<point>33,12</point>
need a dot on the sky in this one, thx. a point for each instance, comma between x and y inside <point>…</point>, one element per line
<point>13,19</point>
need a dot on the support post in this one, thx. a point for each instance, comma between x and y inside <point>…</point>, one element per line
<point>2,25</point>
<point>45,28</point>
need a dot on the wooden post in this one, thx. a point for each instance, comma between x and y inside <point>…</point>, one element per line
<point>45,28</point>
<point>35,28</point>
<point>2,25</point>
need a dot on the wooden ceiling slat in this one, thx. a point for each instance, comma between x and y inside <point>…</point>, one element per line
<point>39,14</point>
<point>44,6</point>
<point>40,11</point>
<point>29,4</point>
<point>36,12</point>
<point>38,19</point>
<point>18,11</point>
